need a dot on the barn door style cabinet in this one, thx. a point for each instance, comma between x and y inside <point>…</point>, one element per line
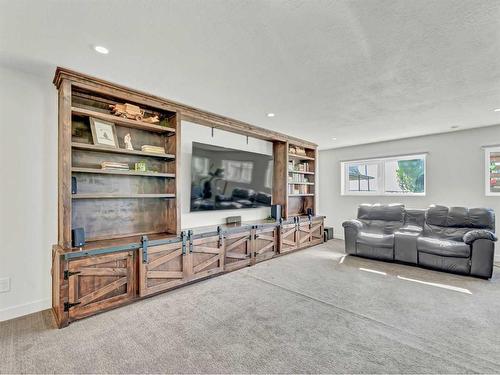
<point>119,161</point>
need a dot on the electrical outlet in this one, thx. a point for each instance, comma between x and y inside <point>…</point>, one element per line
<point>5,285</point>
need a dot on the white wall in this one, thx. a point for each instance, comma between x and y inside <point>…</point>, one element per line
<point>198,133</point>
<point>455,173</point>
<point>28,195</point>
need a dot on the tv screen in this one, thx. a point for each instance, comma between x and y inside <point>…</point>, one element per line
<point>226,179</point>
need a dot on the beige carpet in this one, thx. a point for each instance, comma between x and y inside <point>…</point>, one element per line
<point>312,311</point>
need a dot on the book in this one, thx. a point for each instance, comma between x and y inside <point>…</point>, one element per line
<point>114,165</point>
<point>153,149</point>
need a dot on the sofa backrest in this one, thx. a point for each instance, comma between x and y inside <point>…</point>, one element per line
<point>385,218</point>
<point>415,218</point>
<point>453,222</point>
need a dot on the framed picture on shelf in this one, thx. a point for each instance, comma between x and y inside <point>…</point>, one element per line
<point>103,133</point>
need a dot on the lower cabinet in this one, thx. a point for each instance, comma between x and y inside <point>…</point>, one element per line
<point>97,283</point>
<point>265,243</point>
<point>92,283</point>
<point>162,269</point>
<point>238,250</point>
<point>288,238</point>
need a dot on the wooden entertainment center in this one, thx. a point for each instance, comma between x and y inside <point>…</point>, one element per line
<point>135,246</point>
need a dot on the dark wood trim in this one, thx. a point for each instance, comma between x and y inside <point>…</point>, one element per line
<point>64,162</point>
<point>188,113</point>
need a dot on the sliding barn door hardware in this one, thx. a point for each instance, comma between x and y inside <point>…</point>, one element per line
<point>221,236</point>
<point>68,274</point>
<point>255,235</point>
<point>145,243</point>
<point>183,238</point>
<point>190,238</point>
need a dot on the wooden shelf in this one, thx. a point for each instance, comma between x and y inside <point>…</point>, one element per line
<point>300,172</point>
<point>122,121</point>
<point>300,157</point>
<point>89,147</point>
<point>120,196</point>
<point>301,195</point>
<point>300,183</point>
<point>119,172</point>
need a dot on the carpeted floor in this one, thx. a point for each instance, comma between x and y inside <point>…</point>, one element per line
<point>312,311</point>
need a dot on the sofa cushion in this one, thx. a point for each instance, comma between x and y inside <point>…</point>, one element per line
<point>385,212</point>
<point>448,264</point>
<point>460,217</point>
<point>376,239</point>
<point>443,247</point>
<point>482,218</point>
<point>436,215</point>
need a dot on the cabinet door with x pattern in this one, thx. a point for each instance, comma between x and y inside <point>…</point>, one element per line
<point>238,250</point>
<point>317,231</point>
<point>288,237</point>
<point>99,282</point>
<point>163,268</point>
<point>265,243</point>
<point>205,256</point>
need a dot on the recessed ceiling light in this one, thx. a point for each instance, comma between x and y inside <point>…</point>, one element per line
<point>334,138</point>
<point>455,127</point>
<point>270,115</point>
<point>101,49</point>
<point>496,110</point>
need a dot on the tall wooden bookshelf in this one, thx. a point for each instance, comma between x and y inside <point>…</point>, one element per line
<point>294,185</point>
<point>109,203</point>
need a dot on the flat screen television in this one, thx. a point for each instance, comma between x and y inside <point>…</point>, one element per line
<point>226,179</point>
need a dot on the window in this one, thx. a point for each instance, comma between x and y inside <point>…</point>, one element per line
<point>200,166</point>
<point>402,175</point>
<point>363,177</point>
<point>492,172</point>
<point>238,171</point>
<point>269,175</point>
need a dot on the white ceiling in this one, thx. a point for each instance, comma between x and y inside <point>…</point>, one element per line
<point>360,71</point>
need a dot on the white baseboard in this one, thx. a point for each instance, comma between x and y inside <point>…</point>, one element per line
<point>24,309</point>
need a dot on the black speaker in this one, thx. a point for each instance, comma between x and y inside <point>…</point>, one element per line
<point>276,212</point>
<point>310,212</point>
<point>78,237</point>
<point>73,185</point>
<point>328,233</point>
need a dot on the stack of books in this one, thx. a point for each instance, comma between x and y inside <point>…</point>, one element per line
<point>153,149</point>
<point>114,165</point>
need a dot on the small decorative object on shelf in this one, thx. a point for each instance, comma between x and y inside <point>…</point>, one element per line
<point>152,119</point>
<point>153,149</point>
<point>300,151</point>
<point>140,166</point>
<point>127,110</point>
<point>128,142</point>
<point>103,133</point>
<point>292,150</point>
<point>113,165</point>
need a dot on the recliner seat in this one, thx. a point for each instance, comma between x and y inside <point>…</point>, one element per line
<point>455,239</point>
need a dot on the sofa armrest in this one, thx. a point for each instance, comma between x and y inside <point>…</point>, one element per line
<point>351,230</point>
<point>479,234</point>
<point>353,224</point>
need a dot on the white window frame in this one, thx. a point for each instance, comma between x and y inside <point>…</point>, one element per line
<point>487,153</point>
<point>380,162</point>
